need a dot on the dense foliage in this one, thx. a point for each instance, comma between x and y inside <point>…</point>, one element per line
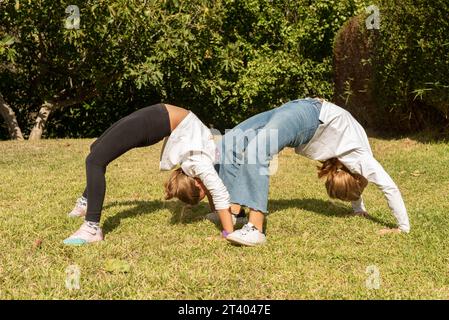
<point>412,59</point>
<point>224,59</point>
<point>396,78</point>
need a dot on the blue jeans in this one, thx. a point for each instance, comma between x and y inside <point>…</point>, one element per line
<point>247,149</point>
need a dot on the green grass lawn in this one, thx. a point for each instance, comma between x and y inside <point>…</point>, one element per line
<point>315,248</point>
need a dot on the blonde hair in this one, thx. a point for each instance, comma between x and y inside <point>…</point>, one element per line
<point>340,182</point>
<point>183,187</point>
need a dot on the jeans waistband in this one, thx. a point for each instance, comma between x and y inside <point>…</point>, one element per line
<point>318,103</point>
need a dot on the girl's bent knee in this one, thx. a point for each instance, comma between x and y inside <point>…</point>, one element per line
<point>92,160</point>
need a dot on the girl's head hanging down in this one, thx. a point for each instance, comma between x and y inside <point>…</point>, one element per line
<point>187,189</point>
<point>340,182</point>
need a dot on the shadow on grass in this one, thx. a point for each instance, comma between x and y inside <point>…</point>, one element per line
<point>180,213</point>
<point>326,208</point>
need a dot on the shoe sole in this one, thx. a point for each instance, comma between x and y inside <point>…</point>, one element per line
<point>75,242</point>
<point>244,243</point>
<point>79,242</point>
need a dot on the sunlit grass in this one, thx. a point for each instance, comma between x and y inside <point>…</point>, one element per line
<point>315,249</point>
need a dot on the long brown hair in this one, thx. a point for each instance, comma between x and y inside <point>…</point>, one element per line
<point>340,182</point>
<point>183,187</point>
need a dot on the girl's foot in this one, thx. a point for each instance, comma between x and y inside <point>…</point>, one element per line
<point>88,233</point>
<point>80,208</point>
<point>247,236</point>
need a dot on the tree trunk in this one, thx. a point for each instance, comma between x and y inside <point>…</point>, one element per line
<point>10,118</point>
<point>41,121</point>
<point>57,103</point>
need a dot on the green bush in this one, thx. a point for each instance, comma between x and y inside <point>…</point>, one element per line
<point>396,78</point>
<point>247,57</point>
<point>224,59</point>
<point>412,58</point>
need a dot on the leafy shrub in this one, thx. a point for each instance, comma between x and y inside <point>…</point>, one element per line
<point>223,59</point>
<point>406,83</point>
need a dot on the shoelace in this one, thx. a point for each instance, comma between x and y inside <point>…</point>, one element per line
<point>89,229</point>
<point>81,202</point>
<point>247,229</point>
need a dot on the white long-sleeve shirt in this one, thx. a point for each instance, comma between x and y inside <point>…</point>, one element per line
<point>192,146</point>
<point>340,136</point>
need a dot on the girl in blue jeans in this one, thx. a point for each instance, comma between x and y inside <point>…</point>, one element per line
<point>246,152</point>
<point>316,129</point>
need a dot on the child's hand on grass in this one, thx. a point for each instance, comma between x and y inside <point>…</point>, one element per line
<point>385,231</point>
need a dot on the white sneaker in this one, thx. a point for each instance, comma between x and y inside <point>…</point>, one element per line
<point>247,236</point>
<point>237,220</point>
<point>80,208</point>
<point>87,233</point>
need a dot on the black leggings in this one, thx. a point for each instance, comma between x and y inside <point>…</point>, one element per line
<point>141,128</point>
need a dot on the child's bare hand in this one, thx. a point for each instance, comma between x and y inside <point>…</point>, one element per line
<point>388,230</point>
<point>361,214</point>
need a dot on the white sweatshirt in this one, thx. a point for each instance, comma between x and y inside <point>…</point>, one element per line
<point>341,136</point>
<point>192,146</point>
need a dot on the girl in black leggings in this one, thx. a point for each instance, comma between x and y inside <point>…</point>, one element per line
<point>142,128</point>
